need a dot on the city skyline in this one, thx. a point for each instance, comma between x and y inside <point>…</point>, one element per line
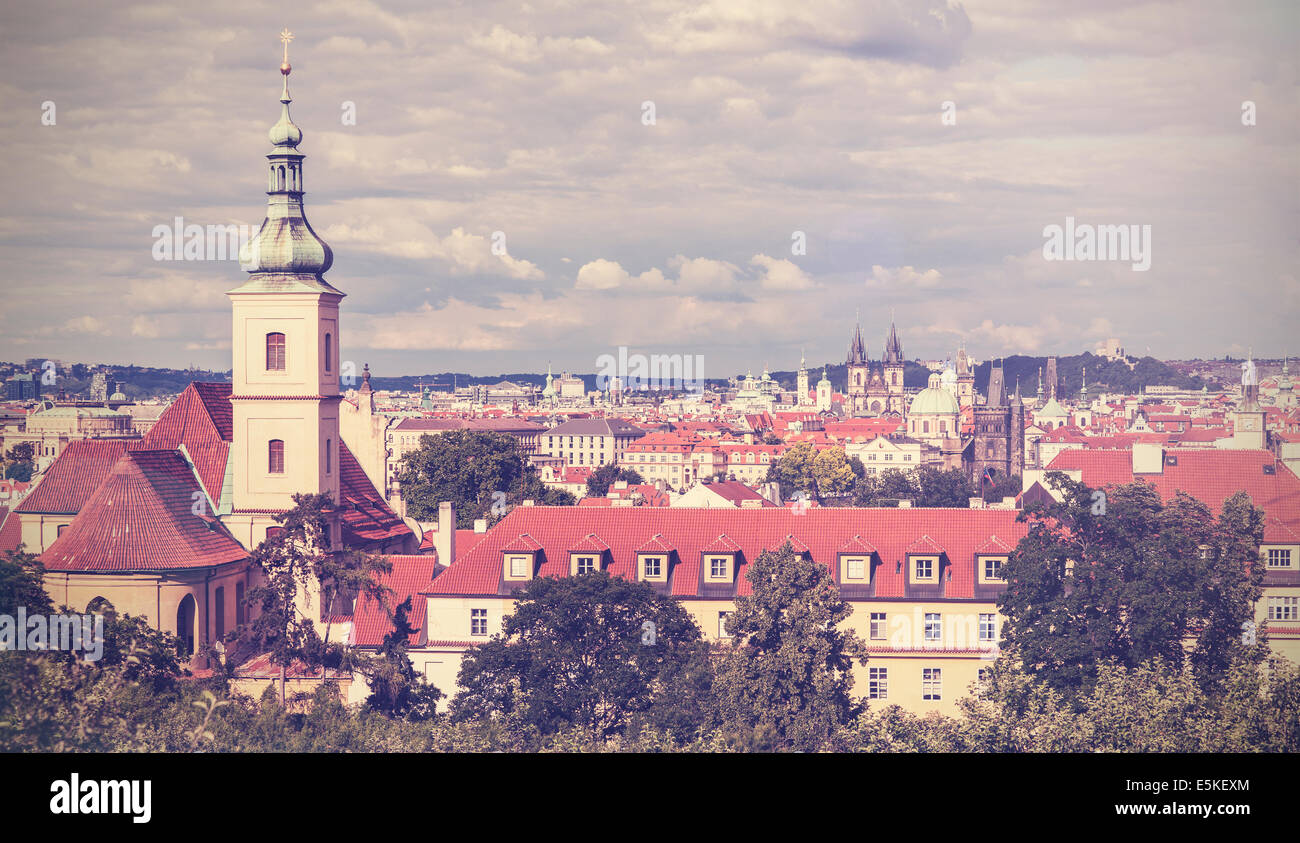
<point>607,217</point>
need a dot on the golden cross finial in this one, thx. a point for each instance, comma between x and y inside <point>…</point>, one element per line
<point>285,37</point>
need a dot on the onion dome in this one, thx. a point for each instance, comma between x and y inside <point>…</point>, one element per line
<point>286,253</point>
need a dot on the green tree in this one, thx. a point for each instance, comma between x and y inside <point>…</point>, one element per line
<point>297,562</point>
<point>607,475</point>
<point>396,688</point>
<point>590,651</point>
<point>821,474</point>
<point>481,473</point>
<point>786,681</point>
<point>942,487</point>
<point>21,578</point>
<point>1124,577</point>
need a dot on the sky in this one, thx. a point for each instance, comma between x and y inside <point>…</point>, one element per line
<point>651,170</point>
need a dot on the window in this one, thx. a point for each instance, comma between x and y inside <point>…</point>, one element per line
<point>988,628</point>
<point>239,603</point>
<point>878,625</point>
<point>857,568</point>
<point>275,456</point>
<point>1279,557</point>
<point>924,568</point>
<point>518,566</point>
<point>719,568</point>
<point>328,355</point>
<point>933,626</point>
<point>586,564</point>
<point>329,455</point>
<point>220,607</point>
<point>478,621</point>
<point>275,352</point>
<point>654,566</point>
<point>877,683</point>
<point>931,683</point>
<point>59,532</point>
<point>722,625</point>
<point>992,569</point>
<point>1284,608</point>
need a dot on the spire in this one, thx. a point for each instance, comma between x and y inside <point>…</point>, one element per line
<point>857,348</point>
<point>365,378</point>
<point>893,348</point>
<point>286,255</point>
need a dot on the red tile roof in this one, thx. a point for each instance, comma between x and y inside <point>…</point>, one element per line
<point>410,576</point>
<point>74,475</point>
<point>924,544</point>
<point>656,544</point>
<point>857,544</point>
<point>590,543</point>
<point>1211,476</point>
<point>694,532</point>
<point>11,531</point>
<point>365,514</point>
<point>140,519</point>
<point>201,419</point>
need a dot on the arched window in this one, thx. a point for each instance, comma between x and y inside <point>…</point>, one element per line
<point>895,379</point>
<point>219,611</point>
<point>275,352</point>
<point>275,456</point>
<point>329,455</point>
<point>328,353</point>
<point>279,179</point>
<point>239,604</point>
<point>185,618</point>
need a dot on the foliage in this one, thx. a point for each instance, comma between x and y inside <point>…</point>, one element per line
<point>607,475</point>
<point>21,576</point>
<point>576,653</point>
<point>481,473</point>
<point>395,687</point>
<point>1129,581</point>
<point>821,474</point>
<point>786,681</point>
<point>924,485</point>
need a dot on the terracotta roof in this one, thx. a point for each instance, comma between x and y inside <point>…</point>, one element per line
<point>1211,476</point>
<point>201,419</point>
<point>11,531</point>
<point>694,532</point>
<point>735,491</point>
<point>994,545</point>
<point>857,544</point>
<point>656,544</point>
<point>74,475</point>
<point>925,544</point>
<point>140,519</point>
<point>366,516</point>
<point>590,543</point>
<point>410,576</point>
<point>523,543</point>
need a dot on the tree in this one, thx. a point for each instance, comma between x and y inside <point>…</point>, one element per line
<point>1006,486</point>
<point>21,584</point>
<point>827,473</point>
<point>607,475</point>
<point>20,462</point>
<point>785,682</point>
<point>395,687</point>
<point>924,485</point>
<point>590,651</point>
<point>1119,575</point>
<point>295,562</point>
<point>481,473</point>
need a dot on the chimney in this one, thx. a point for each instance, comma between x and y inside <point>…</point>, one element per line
<point>446,539</point>
<point>1148,458</point>
<point>480,525</point>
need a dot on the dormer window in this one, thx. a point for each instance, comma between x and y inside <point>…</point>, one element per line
<point>854,568</point>
<point>519,558</point>
<point>923,568</point>
<point>990,568</point>
<point>718,568</point>
<point>585,563</point>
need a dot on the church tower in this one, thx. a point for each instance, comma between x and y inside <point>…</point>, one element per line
<point>801,387</point>
<point>892,365</point>
<point>965,379</point>
<point>285,398</point>
<point>857,372</point>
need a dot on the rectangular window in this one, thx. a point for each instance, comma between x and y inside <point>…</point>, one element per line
<point>722,625</point>
<point>718,567</point>
<point>586,564</point>
<point>878,683</point>
<point>988,628</point>
<point>1279,557</point>
<point>857,569</point>
<point>654,566</point>
<point>518,566</point>
<point>328,355</point>
<point>220,610</point>
<point>931,683</point>
<point>933,626</point>
<point>478,621</point>
<point>1284,608</point>
<point>924,569</point>
<point>275,456</point>
<point>878,625</point>
<point>992,569</point>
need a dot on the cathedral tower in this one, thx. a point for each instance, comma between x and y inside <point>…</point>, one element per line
<point>285,399</point>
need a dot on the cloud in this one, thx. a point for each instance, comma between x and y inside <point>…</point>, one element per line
<point>903,276</point>
<point>781,274</point>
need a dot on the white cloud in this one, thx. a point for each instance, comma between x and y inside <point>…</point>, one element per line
<point>903,276</point>
<point>781,274</point>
